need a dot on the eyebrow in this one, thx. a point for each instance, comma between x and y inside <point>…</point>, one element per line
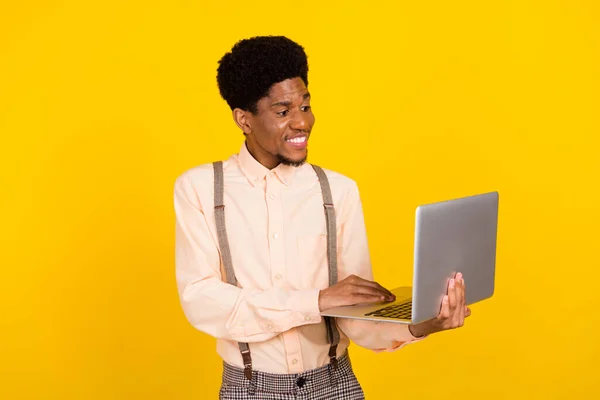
<point>287,102</point>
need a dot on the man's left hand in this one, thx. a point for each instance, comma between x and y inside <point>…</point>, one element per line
<point>452,313</point>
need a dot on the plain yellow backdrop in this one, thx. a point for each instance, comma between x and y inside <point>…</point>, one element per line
<point>104,104</point>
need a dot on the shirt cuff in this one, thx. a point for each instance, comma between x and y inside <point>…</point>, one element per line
<point>301,308</point>
<point>306,303</point>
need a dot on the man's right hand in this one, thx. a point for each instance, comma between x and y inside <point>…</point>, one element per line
<point>353,290</point>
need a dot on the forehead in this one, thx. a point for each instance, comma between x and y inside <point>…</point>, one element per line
<point>289,89</point>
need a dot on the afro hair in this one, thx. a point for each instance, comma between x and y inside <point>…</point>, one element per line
<point>246,73</point>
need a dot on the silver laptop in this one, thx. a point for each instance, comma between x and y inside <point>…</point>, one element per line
<point>450,236</point>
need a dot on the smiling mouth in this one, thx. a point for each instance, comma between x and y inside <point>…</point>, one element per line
<point>297,140</point>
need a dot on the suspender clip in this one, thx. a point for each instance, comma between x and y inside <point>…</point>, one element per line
<point>247,364</point>
<point>333,356</point>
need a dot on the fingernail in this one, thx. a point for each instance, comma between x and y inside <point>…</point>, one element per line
<point>451,283</point>
<point>459,276</point>
<point>445,299</point>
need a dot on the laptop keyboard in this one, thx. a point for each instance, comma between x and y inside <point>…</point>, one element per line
<point>398,311</point>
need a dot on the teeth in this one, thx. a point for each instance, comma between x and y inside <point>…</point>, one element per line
<point>298,140</point>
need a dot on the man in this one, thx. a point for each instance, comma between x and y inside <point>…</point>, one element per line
<point>253,266</point>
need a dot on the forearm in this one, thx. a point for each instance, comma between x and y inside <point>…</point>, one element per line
<point>246,315</point>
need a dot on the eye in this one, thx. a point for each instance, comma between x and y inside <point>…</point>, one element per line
<point>305,108</point>
<point>283,113</point>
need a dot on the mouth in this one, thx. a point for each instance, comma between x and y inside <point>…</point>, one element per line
<point>298,142</point>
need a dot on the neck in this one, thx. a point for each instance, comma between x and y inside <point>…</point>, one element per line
<point>265,159</point>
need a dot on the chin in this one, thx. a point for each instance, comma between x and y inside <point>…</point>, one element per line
<point>292,161</point>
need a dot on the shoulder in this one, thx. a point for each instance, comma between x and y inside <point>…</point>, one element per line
<point>196,185</point>
<point>342,186</point>
<point>202,175</point>
<point>196,177</point>
<point>337,179</point>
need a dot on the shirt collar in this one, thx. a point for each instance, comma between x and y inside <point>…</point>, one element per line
<point>256,172</point>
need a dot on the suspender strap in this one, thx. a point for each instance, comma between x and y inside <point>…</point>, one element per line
<point>226,252</point>
<point>220,222</point>
<point>333,334</point>
<point>331,229</point>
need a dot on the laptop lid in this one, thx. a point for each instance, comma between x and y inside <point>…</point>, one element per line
<point>453,236</point>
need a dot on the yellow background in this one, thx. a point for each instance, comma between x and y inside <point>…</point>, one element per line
<point>104,104</point>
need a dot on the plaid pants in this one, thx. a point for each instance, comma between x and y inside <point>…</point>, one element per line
<point>325,382</point>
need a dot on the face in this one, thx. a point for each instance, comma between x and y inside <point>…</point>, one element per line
<point>280,130</point>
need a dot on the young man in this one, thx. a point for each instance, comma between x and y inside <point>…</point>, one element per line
<point>257,252</point>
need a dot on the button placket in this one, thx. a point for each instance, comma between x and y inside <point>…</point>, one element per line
<point>291,342</point>
<point>291,338</point>
<point>276,236</point>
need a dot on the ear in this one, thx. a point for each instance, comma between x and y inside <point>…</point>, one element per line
<point>243,120</point>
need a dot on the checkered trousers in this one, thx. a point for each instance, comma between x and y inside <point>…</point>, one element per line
<point>321,383</point>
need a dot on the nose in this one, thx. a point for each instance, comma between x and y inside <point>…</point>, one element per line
<point>302,121</point>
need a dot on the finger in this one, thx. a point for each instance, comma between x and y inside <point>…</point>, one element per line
<point>374,288</point>
<point>452,295</point>
<point>384,289</point>
<point>467,312</point>
<point>460,292</point>
<point>364,282</point>
<point>368,290</point>
<point>444,310</point>
<point>379,287</point>
<point>460,303</point>
<point>362,298</point>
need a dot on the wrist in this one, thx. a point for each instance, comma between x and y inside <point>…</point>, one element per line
<point>323,300</point>
<point>416,331</point>
<point>320,300</point>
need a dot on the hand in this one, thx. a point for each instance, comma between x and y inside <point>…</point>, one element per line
<point>452,314</point>
<point>353,290</point>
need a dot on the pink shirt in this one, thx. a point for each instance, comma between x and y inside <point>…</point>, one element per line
<point>276,229</point>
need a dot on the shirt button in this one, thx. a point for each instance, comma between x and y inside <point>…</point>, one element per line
<point>275,236</point>
<point>307,318</point>
<point>295,361</point>
<point>269,326</point>
<point>271,196</point>
<point>278,276</point>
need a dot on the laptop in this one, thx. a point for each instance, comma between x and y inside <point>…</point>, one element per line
<point>451,236</point>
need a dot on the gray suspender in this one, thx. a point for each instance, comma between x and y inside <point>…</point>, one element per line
<point>220,222</point>
<point>333,335</point>
<point>226,253</point>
